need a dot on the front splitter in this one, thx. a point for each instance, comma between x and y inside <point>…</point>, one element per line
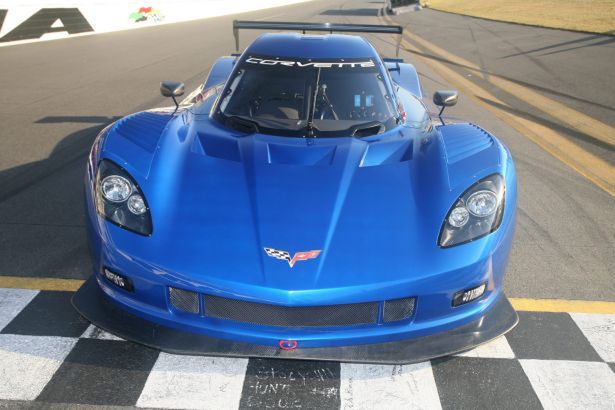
<point>95,306</point>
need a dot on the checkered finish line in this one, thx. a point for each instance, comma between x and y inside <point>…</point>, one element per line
<point>49,354</point>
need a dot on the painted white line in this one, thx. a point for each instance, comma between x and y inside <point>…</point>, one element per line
<point>93,332</point>
<point>600,331</point>
<point>192,382</point>
<point>27,363</point>
<point>561,384</point>
<point>496,349</point>
<point>12,301</point>
<point>364,386</point>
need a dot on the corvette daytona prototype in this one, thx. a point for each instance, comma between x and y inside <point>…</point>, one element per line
<point>301,203</point>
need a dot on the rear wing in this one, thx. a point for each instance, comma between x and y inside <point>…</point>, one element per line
<point>303,27</point>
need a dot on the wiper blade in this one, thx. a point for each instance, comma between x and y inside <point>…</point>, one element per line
<point>310,124</point>
<point>242,124</point>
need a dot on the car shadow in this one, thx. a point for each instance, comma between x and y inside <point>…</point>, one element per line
<point>533,86</point>
<point>603,39</point>
<point>42,230</point>
<point>555,126</point>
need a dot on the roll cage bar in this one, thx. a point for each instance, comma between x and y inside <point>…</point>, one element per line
<point>303,27</point>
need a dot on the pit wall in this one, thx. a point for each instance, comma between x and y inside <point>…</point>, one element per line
<point>25,21</point>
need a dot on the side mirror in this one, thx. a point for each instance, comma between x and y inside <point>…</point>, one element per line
<point>445,99</point>
<point>172,89</point>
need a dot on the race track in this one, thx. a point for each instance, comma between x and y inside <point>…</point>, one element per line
<point>515,81</point>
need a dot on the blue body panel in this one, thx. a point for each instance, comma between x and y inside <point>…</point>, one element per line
<point>405,76</point>
<point>374,206</point>
<point>219,72</point>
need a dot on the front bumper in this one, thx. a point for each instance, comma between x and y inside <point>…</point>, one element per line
<point>95,306</point>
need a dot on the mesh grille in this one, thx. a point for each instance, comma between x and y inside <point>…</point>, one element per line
<point>184,300</point>
<point>398,309</point>
<point>274,315</point>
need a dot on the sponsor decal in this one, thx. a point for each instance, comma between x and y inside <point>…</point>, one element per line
<point>2,17</point>
<point>146,14</point>
<point>118,280</point>
<point>47,20</point>
<point>315,64</point>
<point>299,256</point>
<point>288,344</point>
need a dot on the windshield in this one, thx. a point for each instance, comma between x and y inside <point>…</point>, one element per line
<point>307,98</point>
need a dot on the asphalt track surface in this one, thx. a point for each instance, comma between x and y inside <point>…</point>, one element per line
<point>57,95</point>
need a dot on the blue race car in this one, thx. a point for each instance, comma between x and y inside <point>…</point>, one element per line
<point>301,203</point>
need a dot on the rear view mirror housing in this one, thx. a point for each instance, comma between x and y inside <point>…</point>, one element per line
<point>172,89</point>
<point>445,98</point>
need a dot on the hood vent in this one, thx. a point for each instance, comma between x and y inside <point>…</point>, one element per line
<point>300,154</point>
<point>219,146</point>
<point>143,129</point>
<point>464,140</point>
<point>387,152</point>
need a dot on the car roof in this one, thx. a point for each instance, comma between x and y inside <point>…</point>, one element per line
<point>311,46</point>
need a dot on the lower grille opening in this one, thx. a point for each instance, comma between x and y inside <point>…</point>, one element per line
<point>398,309</point>
<point>275,315</point>
<point>184,300</point>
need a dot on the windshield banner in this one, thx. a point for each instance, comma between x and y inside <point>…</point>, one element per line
<point>314,64</point>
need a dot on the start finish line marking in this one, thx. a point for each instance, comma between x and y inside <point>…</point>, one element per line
<point>563,305</point>
<point>18,282</point>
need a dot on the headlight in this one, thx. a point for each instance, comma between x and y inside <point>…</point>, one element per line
<point>115,188</point>
<point>477,213</point>
<point>482,203</point>
<point>459,217</point>
<point>136,205</point>
<point>120,200</point>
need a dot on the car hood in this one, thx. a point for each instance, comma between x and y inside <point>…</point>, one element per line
<point>218,200</point>
<point>372,207</point>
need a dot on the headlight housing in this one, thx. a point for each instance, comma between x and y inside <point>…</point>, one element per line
<point>476,213</point>
<point>120,200</point>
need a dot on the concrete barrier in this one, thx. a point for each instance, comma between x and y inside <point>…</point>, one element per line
<point>39,20</point>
